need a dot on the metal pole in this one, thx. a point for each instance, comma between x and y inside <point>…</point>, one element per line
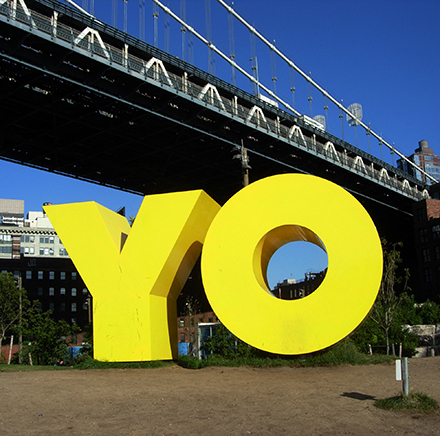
<point>11,343</point>
<point>245,168</point>
<point>405,376</point>
<point>20,337</point>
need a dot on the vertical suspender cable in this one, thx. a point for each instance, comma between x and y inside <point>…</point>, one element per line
<point>183,28</point>
<point>231,44</point>
<point>211,64</point>
<point>142,20</point>
<point>155,25</point>
<point>167,25</point>
<point>125,16</point>
<point>273,65</point>
<point>115,13</point>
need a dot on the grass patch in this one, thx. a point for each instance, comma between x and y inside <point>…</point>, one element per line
<point>28,368</point>
<point>414,402</point>
<point>343,353</point>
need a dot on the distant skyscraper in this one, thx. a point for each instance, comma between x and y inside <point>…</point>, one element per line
<point>424,158</point>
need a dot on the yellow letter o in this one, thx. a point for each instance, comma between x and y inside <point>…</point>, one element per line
<point>257,221</point>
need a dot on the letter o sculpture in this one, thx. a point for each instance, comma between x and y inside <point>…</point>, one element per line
<point>257,221</point>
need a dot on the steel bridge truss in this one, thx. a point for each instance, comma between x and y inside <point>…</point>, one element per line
<point>83,99</point>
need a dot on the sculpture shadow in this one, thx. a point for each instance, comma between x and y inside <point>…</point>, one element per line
<point>358,396</point>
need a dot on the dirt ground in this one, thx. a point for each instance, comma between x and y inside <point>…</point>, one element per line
<point>215,401</point>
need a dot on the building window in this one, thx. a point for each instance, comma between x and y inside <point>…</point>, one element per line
<point>51,275</point>
<point>41,239</point>
<point>421,214</point>
<point>40,291</point>
<point>437,252</point>
<point>63,291</point>
<point>51,240</point>
<point>73,292</point>
<point>62,307</point>
<point>182,337</point>
<point>40,275</point>
<point>41,251</point>
<point>436,231</point>
<point>46,252</point>
<point>85,291</point>
<point>428,275</point>
<point>426,255</point>
<point>28,275</point>
<point>423,233</point>
<point>51,292</point>
<point>32,238</point>
<point>51,306</point>
<point>32,250</point>
<point>85,306</point>
<point>51,252</point>
<point>62,275</point>
<point>73,307</point>
<point>74,275</point>
<point>182,322</point>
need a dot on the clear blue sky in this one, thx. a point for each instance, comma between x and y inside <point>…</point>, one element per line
<point>384,54</point>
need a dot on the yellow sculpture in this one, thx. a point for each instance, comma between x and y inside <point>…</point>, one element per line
<point>257,221</point>
<point>136,274</point>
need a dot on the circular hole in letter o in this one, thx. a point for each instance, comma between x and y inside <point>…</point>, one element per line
<point>257,221</point>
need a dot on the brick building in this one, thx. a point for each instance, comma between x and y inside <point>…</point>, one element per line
<point>427,246</point>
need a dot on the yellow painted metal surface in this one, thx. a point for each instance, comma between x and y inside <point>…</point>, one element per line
<point>257,221</point>
<point>135,274</point>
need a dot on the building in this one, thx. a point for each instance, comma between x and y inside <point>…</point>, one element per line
<point>187,326</point>
<point>11,212</point>
<point>33,252</point>
<point>424,158</point>
<point>427,246</point>
<point>291,289</point>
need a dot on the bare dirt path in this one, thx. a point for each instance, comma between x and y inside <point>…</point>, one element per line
<point>215,401</point>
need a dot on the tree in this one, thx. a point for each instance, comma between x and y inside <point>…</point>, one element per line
<point>224,343</point>
<point>12,300</point>
<point>46,338</point>
<point>385,308</point>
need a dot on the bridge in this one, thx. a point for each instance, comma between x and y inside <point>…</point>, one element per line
<point>86,100</point>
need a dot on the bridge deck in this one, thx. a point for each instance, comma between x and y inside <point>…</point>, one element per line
<point>130,116</point>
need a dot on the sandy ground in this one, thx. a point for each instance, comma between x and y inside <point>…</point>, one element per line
<point>215,401</point>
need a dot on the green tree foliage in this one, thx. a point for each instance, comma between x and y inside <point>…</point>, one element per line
<point>393,310</point>
<point>429,312</point>
<point>224,343</point>
<point>385,308</point>
<point>12,300</point>
<point>45,339</point>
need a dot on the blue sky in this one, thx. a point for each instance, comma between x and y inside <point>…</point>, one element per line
<point>383,54</point>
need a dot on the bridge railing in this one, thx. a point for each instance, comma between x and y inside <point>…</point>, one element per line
<point>92,43</point>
